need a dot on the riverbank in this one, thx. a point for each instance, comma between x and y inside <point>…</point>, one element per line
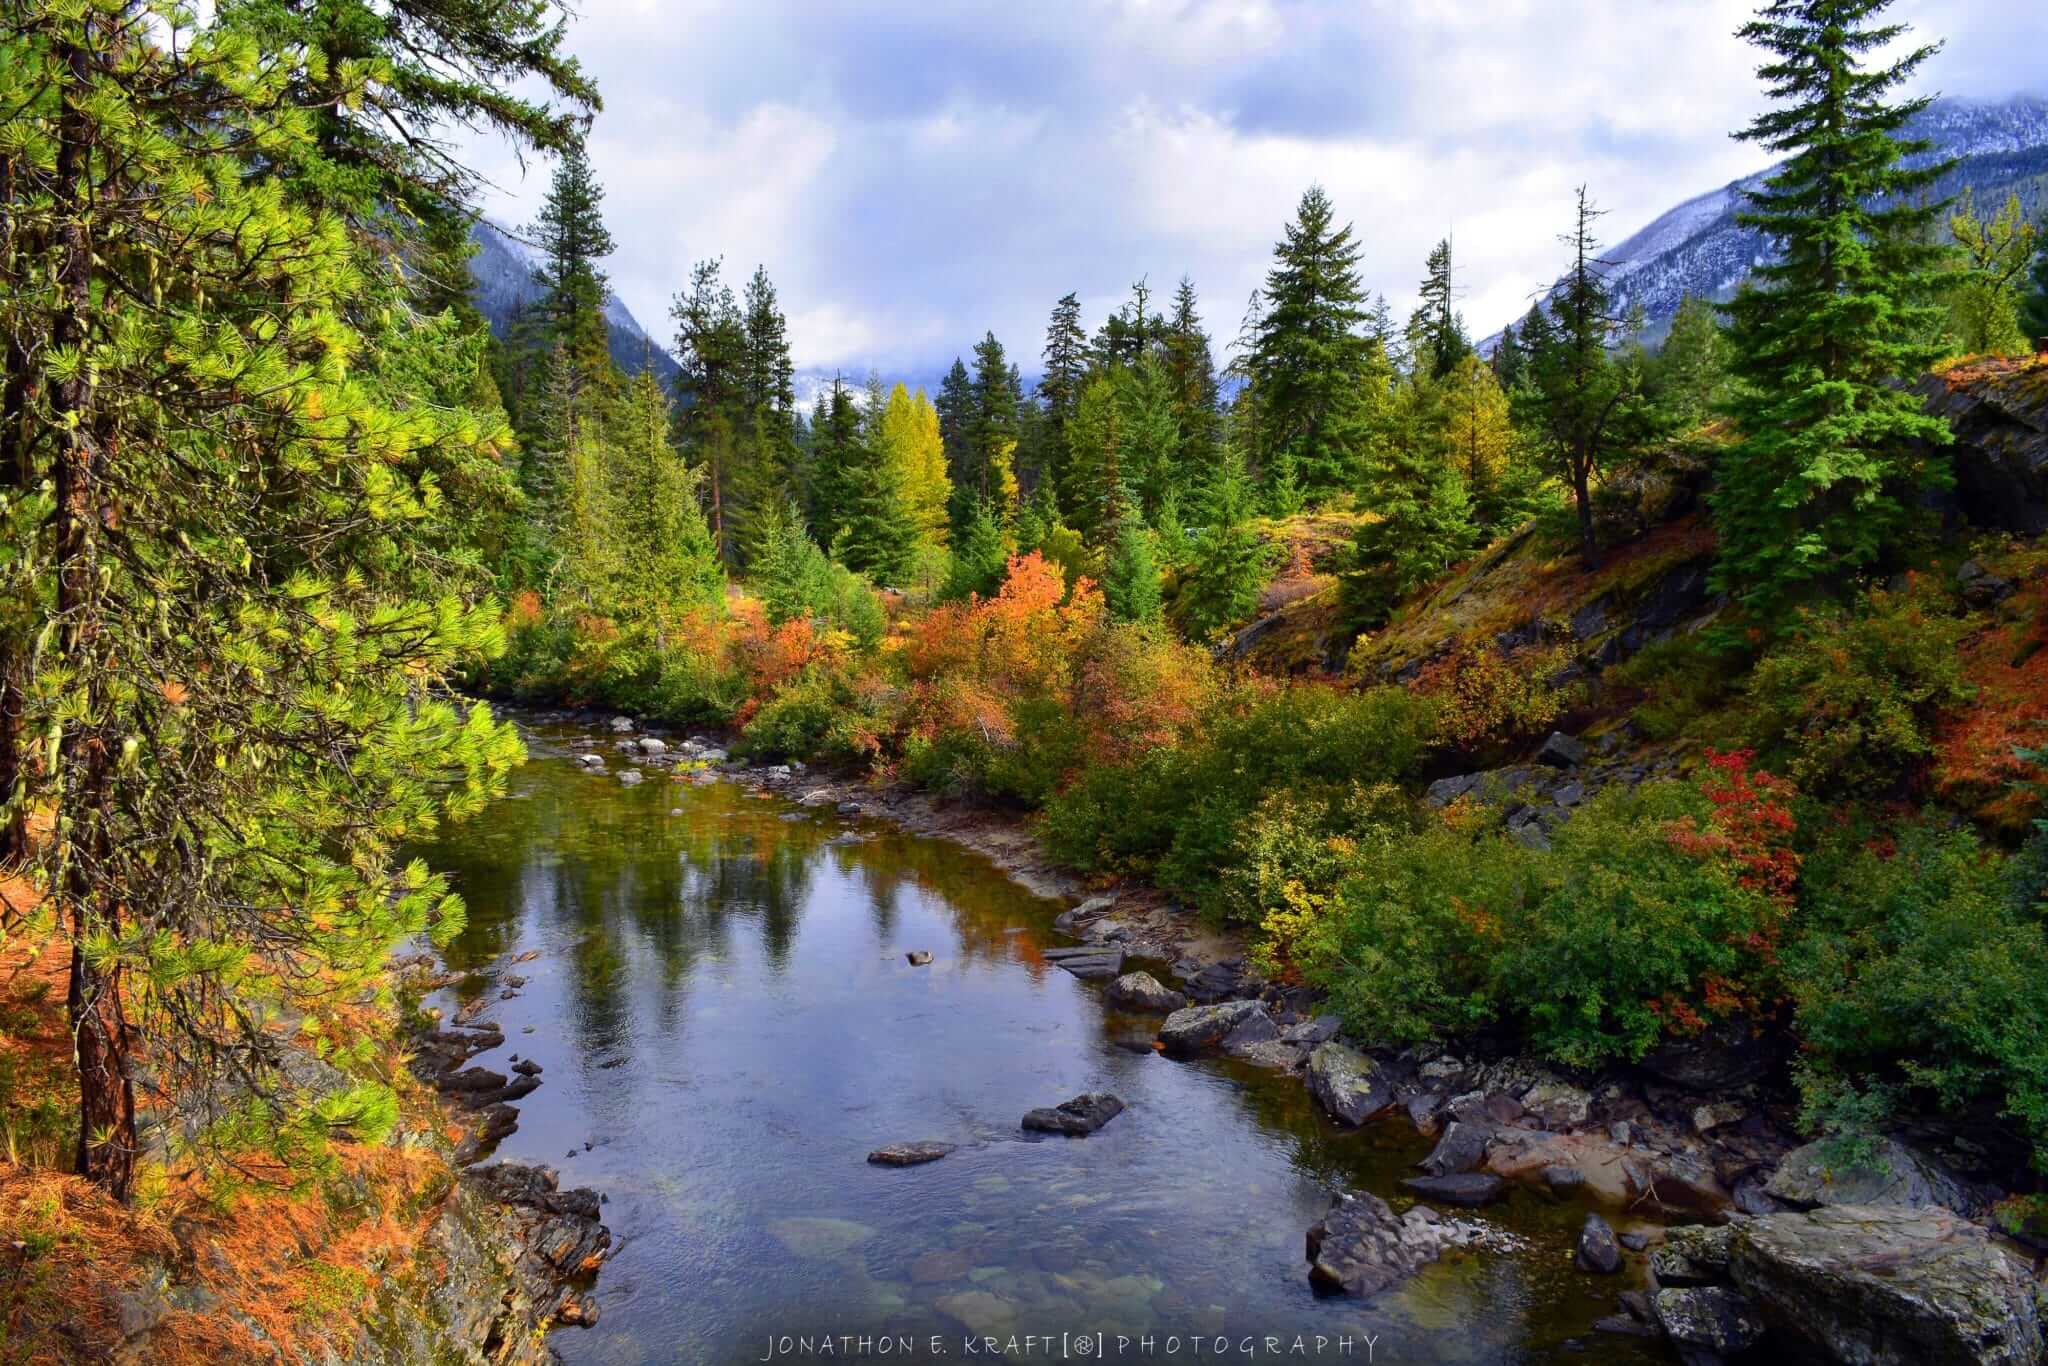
<point>1704,1130</point>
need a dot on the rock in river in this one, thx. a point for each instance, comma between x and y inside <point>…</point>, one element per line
<point>1707,1322</point>
<point>1471,1189</point>
<point>1462,1148</point>
<point>919,957</point>
<point>1077,1118</point>
<point>1822,1173</point>
<point>1361,1248</point>
<point>909,1154</point>
<point>1087,960</point>
<point>1597,1250</point>
<point>1189,1031</point>
<point>1143,991</point>
<point>1347,1083</point>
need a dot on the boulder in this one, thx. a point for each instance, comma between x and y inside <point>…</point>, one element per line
<point>1831,1172</point>
<point>1470,1189</point>
<point>1708,1319</point>
<point>1192,1029</point>
<point>1076,1118</point>
<point>631,777</point>
<point>1708,1118</point>
<point>1597,1250</point>
<point>1255,1030</point>
<point>1348,1084</point>
<point>1361,1248</point>
<point>918,958</point>
<point>1726,1055</point>
<point>1315,1032</point>
<point>847,810</point>
<point>650,745</point>
<point>1461,1149</point>
<point>622,724</point>
<point>1982,588</point>
<point>1559,1103</point>
<point>1277,1054</point>
<point>909,1154</point>
<point>1561,751</point>
<point>1076,916</point>
<point>1143,991</point>
<point>1883,1285</point>
<point>1696,1254</point>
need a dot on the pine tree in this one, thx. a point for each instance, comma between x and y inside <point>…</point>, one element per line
<point>1066,366</point>
<point>1509,357</point>
<point>1690,378</point>
<point>1311,366</point>
<point>1153,460</point>
<point>667,562</point>
<point>979,555</point>
<point>1441,331</point>
<point>837,458</point>
<point>1096,440</point>
<point>1421,514</point>
<point>248,608</point>
<point>1580,401</point>
<point>990,442</point>
<point>572,238</point>
<point>713,418</point>
<point>1833,453</point>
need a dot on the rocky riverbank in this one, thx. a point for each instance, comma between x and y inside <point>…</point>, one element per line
<point>1703,1131</point>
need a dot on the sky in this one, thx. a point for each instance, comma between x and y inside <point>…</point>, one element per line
<point>914,173</point>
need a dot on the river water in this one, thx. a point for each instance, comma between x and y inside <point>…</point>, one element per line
<point>728,1025</point>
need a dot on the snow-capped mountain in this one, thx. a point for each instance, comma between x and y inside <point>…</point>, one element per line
<point>2000,147</point>
<point>503,269</point>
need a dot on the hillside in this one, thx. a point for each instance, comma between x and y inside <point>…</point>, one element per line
<point>503,269</point>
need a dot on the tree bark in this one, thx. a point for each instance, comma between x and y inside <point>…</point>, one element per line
<point>99,1028</point>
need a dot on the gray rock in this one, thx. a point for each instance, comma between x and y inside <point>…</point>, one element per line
<point>1597,1250</point>
<point>631,777</point>
<point>590,760</point>
<point>622,724</point>
<point>1696,1254</point>
<point>1559,1103</point>
<point>1829,1172</point>
<point>1361,1248</point>
<point>1882,1285</point>
<point>1143,991</point>
<point>1424,1111</point>
<point>1092,962</point>
<point>1077,1118</point>
<point>1470,1189</point>
<point>1708,1118</point>
<point>1444,791</point>
<point>1254,1030</point>
<point>1634,1242</point>
<point>650,745</point>
<point>1462,1148</point>
<point>918,957</point>
<point>1314,1032</point>
<point>1274,1053</point>
<point>1561,751</point>
<point>1561,1180</point>
<point>1091,909</point>
<point>1726,1055</point>
<point>1348,1084</point>
<point>1982,588</point>
<point>1710,1318</point>
<point>1194,1028</point>
<point>909,1154</point>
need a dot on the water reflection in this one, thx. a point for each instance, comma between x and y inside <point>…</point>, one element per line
<point>727,1025</point>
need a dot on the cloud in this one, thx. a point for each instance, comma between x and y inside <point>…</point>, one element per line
<point>913,175</point>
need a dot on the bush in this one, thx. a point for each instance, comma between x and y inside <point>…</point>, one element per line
<point>1175,814</point>
<point>1485,697</point>
<point>1847,700</point>
<point>1918,971</point>
<point>822,714</point>
<point>1034,754</point>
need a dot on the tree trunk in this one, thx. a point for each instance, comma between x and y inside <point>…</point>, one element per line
<point>1582,491</point>
<point>100,1036</point>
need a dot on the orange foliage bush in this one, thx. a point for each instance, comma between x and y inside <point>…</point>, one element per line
<point>2008,665</point>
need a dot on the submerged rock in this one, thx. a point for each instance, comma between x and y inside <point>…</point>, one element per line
<point>1143,991</point>
<point>909,1154</point>
<point>1076,1118</point>
<point>1470,1189</point>
<point>1348,1084</point>
<point>1087,960</point>
<point>918,958</point>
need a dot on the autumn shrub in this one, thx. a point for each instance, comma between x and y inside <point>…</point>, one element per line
<point>1484,696</point>
<point>1296,844</point>
<point>1023,761</point>
<point>1846,701</point>
<point>825,713</point>
<point>1917,973</point>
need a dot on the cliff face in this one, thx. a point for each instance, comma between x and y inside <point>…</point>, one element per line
<point>1998,410</point>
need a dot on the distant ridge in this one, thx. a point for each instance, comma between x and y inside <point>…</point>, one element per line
<point>502,269</point>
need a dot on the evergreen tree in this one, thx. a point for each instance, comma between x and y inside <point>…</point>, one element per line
<point>1191,380</point>
<point>1580,401</point>
<point>667,562</point>
<point>838,456</point>
<point>1228,565</point>
<point>980,555</point>
<point>1833,450</point>
<point>1311,366</point>
<point>713,420</point>
<point>1066,366</point>
<point>1421,513</point>
<point>1130,575</point>
<point>1477,435</point>
<point>1152,438</point>
<point>1096,439</point>
<point>1509,358</point>
<point>1689,381</point>
<point>572,238</point>
<point>990,436</point>
<point>1440,331</point>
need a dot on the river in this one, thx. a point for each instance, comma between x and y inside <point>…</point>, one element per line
<point>727,1025</point>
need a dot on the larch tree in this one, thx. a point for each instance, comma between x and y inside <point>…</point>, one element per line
<point>1834,452</point>
<point>1477,434</point>
<point>1989,277</point>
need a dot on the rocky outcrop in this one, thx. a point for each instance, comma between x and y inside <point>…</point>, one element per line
<point>1194,1029</point>
<point>1998,411</point>
<point>1143,991</point>
<point>1883,1172</point>
<point>1872,1285</point>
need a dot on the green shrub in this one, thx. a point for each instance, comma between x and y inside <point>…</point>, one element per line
<point>1175,815</point>
<point>821,714</point>
<point>1298,842</point>
<point>1916,971</point>
<point>1048,744</point>
<point>1845,703</point>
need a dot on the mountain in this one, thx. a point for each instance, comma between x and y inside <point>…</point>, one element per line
<point>503,269</point>
<point>1698,248</point>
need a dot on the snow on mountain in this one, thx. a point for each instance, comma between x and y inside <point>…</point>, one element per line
<point>502,269</point>
<point>2000,147</point>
